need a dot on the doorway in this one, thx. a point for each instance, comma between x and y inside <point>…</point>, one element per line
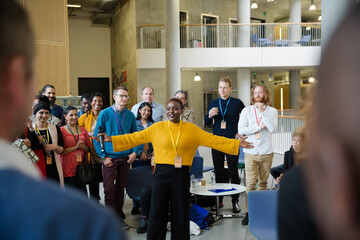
<point>92,85</point>
<point>209,33</point>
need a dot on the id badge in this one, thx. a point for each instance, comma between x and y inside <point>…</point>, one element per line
<point>178,162</point>
<point>48,159</point>
<point>78,157</point>
<point>223,125</point>
<point>257,135</point>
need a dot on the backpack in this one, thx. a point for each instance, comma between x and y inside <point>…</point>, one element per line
<point>201,216</point>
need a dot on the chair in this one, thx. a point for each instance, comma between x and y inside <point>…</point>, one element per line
<point>241,163</point>
<point>262,206</point>
<point>197,167</point>
<point>305,40</point>
<point>262,42</point>
<point>138,178</point>
<point>282,42</point>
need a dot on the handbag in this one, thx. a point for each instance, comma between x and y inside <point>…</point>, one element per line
<point>88,173</point>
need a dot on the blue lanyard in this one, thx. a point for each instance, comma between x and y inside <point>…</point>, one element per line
<point>122,124</point>
<point>223,114</point>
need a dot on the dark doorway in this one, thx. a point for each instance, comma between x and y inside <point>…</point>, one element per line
<point>209,32</point>
<point>92,85</point>
<point>183,29</point>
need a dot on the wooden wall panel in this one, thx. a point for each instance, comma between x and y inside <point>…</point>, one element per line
<point>51,68</point>
<point>50,23</point>
<point>49,19</point>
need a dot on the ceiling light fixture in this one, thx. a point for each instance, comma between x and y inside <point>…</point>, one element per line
<point>74,6</point>
<point>270,0</point>
<point>254,5</point>
<point>197,78</point>
<point>320,18</point>
<point>312,6</point>
<point>311,79</point>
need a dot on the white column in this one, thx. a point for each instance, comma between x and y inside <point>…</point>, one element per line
<point>295,17</point>
<point>294,89</point>
<point>172,47</point>
<point>243,84</point>
<point>244,17</point>
<point>332,12</point>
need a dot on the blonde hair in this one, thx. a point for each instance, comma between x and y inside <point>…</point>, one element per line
<point>226,80</point>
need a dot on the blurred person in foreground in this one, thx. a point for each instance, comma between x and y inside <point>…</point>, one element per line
<point>323,191</point>
<point>30,208</point>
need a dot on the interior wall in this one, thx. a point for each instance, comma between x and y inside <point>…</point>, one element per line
<point>49,20</point>
<point>90,54</point>
<point>123,47</point>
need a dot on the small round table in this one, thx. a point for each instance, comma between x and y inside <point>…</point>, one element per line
<point>204,191</point>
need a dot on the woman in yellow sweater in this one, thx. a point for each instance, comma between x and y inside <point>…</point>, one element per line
<point>175,143</point>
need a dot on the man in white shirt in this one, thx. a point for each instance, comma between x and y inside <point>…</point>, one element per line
<point>147,95</point>
<point>258,122</point>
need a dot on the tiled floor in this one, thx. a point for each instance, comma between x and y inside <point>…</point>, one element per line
<point>229,229</point>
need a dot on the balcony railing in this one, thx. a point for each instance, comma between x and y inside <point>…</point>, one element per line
<point>235,35</point>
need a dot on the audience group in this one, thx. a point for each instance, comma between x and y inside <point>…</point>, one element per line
<point>62,139</point>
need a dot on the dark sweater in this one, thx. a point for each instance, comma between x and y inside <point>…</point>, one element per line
<point>231,117</point>
<point>295,220</point>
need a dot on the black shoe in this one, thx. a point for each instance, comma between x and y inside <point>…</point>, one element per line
<point>213,208</point>
<point>122,215</point>
<point>135,210</point>
<point>236,207</point>
<point>245,221</point>
<point>143,226</point>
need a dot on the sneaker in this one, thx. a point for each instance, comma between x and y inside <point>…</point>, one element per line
<point>213,208</point>
<point>236,207</point>
<point>245,221</point>
<point>123,225</point>
<point>143,225</point>
<point>135,211</point>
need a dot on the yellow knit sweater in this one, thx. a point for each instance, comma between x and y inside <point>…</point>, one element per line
<point>191,137</point>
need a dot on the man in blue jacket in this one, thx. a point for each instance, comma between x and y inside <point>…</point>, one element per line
<point>31,208</point>
<point>116,120</point>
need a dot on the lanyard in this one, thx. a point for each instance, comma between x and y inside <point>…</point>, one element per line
<point>223,114</point>
<point>122,123</point>
<point>257,121</point>
<point>172,138</point>
<point>47,133</point>
<point>73,134</point>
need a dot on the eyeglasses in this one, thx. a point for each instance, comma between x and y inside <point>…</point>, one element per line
<point>123,96</point>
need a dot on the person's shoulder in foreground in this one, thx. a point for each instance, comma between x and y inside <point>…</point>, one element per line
<point>39,210</point>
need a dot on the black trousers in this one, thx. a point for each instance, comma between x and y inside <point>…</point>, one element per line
<point>94,191</point>
<point>145,200</point>
<point>170,186</point>
<point>232,160</point>
<point>276,171</point>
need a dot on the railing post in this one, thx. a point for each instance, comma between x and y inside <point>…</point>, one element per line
<point>141,38</point>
